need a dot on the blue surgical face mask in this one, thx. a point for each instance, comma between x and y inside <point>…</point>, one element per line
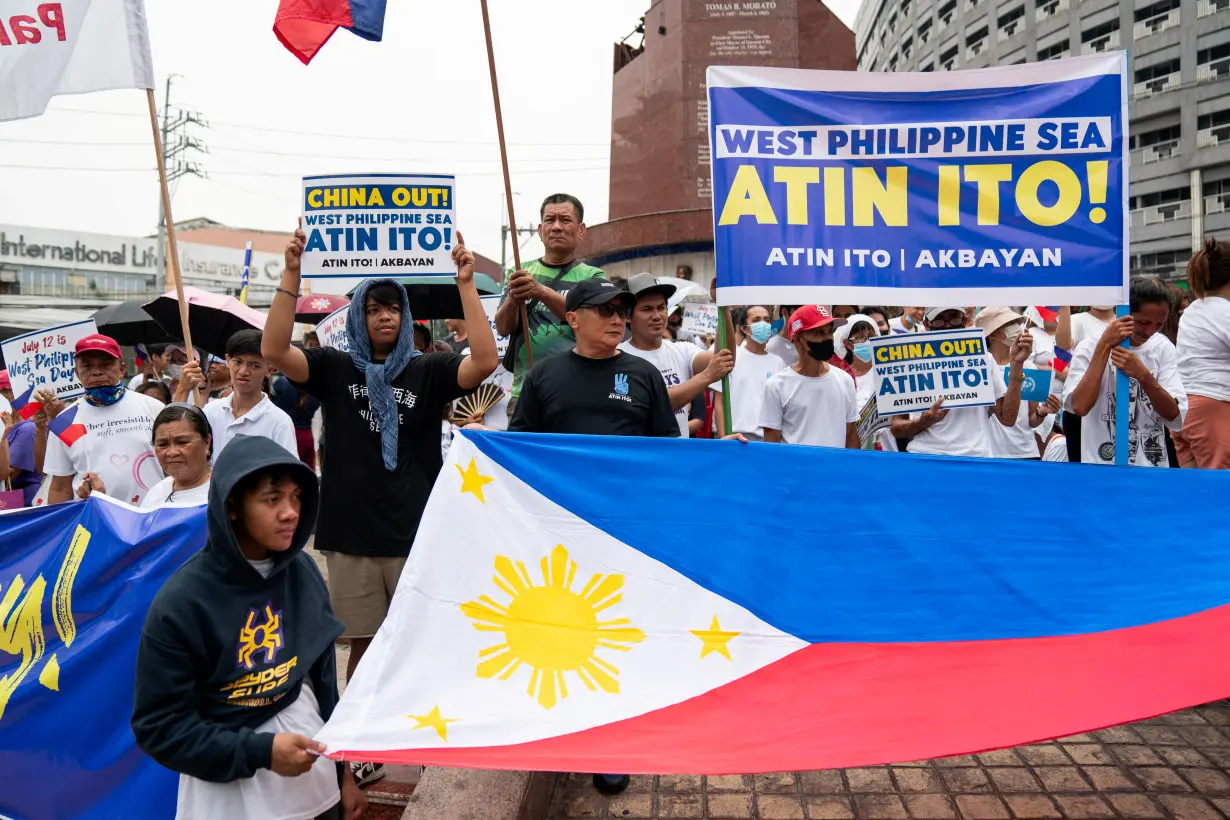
<point>863,351</point>
<point>778,324</point>
<point>761,332</point>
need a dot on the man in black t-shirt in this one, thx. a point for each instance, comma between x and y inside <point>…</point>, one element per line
<point>383,403</point>
<point>595,388</point>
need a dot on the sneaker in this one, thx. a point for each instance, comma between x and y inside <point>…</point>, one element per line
<point>367,773</point>
<point>611,783</point>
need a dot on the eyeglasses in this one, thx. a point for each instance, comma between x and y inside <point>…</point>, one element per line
<point>608,310</point>
<point>954,323</point>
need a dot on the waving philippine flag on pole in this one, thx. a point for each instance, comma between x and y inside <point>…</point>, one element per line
<point>304,26</point>
<point>567,607</point>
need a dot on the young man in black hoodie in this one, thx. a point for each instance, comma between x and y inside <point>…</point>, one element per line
<point>236,668</point>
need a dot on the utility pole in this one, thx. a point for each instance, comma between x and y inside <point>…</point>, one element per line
<point>176,143</point>
<point>505,231</point>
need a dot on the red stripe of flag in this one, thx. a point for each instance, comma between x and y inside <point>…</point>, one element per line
<point>1048,314</point>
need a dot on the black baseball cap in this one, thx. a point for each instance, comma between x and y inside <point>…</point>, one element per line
<point>594,292</point>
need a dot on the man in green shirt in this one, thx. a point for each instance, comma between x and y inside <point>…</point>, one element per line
<point>542,286</point>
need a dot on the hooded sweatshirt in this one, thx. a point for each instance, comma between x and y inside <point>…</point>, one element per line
<point>223,649</point>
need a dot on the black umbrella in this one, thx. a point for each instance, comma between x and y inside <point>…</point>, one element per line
<point>436,297</point>
<point>212,318</point>
<point>129,324</point>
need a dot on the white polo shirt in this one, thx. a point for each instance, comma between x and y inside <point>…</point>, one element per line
<point>265,419</point>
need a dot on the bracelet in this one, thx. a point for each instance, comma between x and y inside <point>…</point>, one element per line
<point>288,293</point>
<point>1020,378</point>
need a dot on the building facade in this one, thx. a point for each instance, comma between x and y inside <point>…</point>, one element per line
<point>1179,82</point>
<point>660,194</point>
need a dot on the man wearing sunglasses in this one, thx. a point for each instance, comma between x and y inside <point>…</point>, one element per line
<point>595,388</point>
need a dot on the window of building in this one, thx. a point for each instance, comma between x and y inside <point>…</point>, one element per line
<point>907,47</point>
<point>948,58</point>
<point>947,12</point>
<point>1100,38</point>
<point>1213,63</point>
<point>1158,70</point>
<point>1053,52</point>
<point>1011,22</point>
<point>924,29</point>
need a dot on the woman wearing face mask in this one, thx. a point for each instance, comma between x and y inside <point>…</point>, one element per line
<point>753,365</point>
<point>779,345</point>
<point>852,342</point>
<point>1003,328</point>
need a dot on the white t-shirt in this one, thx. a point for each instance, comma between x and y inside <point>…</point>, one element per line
<point>1044,348</point>
<point>964,431</point>
<point>161,494</point>
<point>674,361</point>
<point>898,326</point>
<point>1056,450</point>
<point>810,409</point>
<point>265,419</point>
<point>1017,441</point>
<point>747,382</point>
<point>266,794</point>
<point>1146,437</point>
<point>781,347</point>
<point>1204,348</point>
<point>1086,326</point>
<point>117,446</point>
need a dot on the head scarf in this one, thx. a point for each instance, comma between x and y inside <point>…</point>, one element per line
<point>842,333</point>
<point>380,375</point>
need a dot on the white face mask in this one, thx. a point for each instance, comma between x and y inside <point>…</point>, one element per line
<point>175,371</point>
<point>1011,333</point>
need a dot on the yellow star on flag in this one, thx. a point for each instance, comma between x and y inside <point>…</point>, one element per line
<point>714,639</point>
<point>433,720</point>
<point>472,481</point>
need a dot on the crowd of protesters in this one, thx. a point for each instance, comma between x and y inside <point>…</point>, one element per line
<point>236,431</point>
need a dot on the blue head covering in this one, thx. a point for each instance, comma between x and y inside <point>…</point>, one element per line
<point>380,375</point>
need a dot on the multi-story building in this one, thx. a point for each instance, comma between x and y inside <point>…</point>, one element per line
<point>1179,70</point>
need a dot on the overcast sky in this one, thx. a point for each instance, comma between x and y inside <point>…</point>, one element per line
<point>418,102</point>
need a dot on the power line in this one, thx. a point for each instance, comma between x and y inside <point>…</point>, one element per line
<point>333,135</point>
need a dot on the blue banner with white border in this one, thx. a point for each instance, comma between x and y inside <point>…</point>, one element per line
<point>1003,185</point>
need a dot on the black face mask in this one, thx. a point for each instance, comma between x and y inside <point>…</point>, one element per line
<point>820,351</point>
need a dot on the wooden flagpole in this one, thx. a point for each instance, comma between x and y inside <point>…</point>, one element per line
<point>508,195</point>
<point>172,250</point>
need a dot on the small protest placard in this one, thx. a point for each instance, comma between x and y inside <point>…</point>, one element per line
<point>913,371</point>
<point>44,359</point>
<point>870,422</point>
<point>490,305</point>
<point>372,225</point>
<point>332,330</point>
<point>700,319</point>
<point>1037,384</point>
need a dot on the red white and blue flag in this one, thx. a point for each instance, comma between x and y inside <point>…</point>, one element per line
<point>1048,314</point>
<point>568,607</point>
<point>66,428</point>
<point>1062,360</point>
<point>140,355</point>
<point>25,405</point>
<point>304,26</point>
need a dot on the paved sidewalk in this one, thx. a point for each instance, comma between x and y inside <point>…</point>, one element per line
<point>1169,768</point>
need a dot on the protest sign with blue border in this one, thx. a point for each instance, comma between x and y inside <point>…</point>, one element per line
<point>45,359</point>
<point>914,370</point>
<point>375,225</point>
<point>1003,185</point>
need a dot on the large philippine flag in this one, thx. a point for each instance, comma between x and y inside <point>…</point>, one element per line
<point>612,605</point>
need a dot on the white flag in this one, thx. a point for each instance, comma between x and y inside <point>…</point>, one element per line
<point>69,47</point>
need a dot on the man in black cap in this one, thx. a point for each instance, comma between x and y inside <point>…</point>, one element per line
<point>595,388</point>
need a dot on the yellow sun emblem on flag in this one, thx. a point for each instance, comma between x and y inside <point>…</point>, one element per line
<point>551,628</point>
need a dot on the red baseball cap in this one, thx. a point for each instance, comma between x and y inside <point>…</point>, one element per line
<point>100,344</point>
<point>810,317</point>
<point>5,382</point>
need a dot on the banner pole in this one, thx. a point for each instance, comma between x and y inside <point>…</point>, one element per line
<point>247,268</point>
<point>508,194</point>
<point>172,250</point>
<point>1121,404</point>
<point>724,341</point>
